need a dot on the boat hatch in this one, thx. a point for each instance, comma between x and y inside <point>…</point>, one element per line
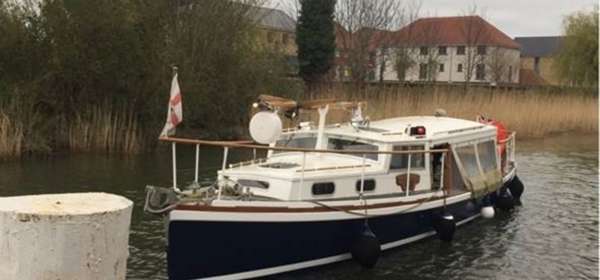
<point>253,183</point>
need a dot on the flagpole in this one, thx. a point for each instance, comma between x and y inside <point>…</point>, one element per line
<point>173,146</point>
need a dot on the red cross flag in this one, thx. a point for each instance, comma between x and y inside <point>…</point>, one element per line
<point>175,111</point>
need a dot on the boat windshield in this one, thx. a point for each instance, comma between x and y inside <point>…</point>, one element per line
<point>345,144</point>
<point>304,140</point>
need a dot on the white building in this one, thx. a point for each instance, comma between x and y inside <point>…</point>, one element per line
<point>450,49</point>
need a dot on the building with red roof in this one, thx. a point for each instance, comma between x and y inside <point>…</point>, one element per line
<point>450,49</point>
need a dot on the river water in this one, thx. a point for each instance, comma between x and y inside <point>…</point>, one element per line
<point>554,235</point>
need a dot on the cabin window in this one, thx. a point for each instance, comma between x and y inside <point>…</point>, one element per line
<point>369,185</point>
<point>469,160</point>
<point>297,141</point>
<point>343,144</point>
<point>323,188</point>
<point>487,156</point>
<point>253,183</point>
<point>400,161</point>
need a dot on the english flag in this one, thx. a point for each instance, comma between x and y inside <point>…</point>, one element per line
<point>175,111</point>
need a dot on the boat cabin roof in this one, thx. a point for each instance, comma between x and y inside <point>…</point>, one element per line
<point>395,129</point>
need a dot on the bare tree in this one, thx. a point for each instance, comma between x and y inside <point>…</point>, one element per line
<point>365,38</point>
<point>498,62</point>
<point>405,48</point>
<point>430,59</point>
<point>474,31</point>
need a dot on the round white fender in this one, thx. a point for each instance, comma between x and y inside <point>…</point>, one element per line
<point>487,212</point>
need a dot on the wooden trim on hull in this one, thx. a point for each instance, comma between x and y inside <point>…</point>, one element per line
<point>209,208</point>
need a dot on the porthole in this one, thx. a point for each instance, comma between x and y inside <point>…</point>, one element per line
<point>368,187</point>
<point>323,188</point>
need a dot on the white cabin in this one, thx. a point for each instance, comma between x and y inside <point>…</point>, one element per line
<point>300,175</point>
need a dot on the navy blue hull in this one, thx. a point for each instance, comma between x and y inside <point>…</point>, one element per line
<point>199,249</point>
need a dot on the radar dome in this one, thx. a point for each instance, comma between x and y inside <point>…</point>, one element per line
<point>265,127</point>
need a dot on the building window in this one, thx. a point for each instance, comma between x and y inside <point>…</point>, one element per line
<point>424,50</point>
<point>481,50</point>
<point>323,188</point>
<point>510,70</point>
<point>371,75</point>
<point>441,67</point>
<point>422,71</point>
<point>460,50</point>
<point>368,186</point>
<point>442,50</point>
<point>285,38</point>
<point>536,64</point>
<point>459,67</point>
<point>270,37</point>
<point>480,72</point>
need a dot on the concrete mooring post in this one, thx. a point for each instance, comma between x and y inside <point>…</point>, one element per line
<point>64,236</point>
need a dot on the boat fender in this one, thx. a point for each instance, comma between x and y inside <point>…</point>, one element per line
<point>505,201</point>
<point>445,226</point>
<point>366,248</point>
<point>487,210</point>
<point>516,189</point>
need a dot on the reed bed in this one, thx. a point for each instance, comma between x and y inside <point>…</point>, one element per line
<point>11,137</point>
<point>98,129</point>
<point>113,131</point>
<point>531,113</point>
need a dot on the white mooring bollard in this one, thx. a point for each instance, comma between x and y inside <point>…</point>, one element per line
<point>64,236</point>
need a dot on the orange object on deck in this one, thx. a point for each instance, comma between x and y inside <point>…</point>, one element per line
<point>501,134</point>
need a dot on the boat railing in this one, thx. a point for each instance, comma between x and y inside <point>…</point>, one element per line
<point>507,156</point>
<point>226,145</point>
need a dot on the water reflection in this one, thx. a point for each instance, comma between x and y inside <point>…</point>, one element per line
<point>554,235</point>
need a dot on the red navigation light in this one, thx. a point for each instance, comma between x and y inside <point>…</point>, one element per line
<point>418,130</point>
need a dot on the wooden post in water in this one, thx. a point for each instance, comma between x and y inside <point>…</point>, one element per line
<point>64,236</point>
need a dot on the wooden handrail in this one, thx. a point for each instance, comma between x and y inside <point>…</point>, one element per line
<point>244,144</point>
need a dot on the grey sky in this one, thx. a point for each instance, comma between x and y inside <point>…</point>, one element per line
<point>513,17</point>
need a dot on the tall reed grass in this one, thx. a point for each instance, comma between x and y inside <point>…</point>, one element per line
<point>531,113</point>
<point>11,137</point>
<point>25,130</point>
<point>103,129</point>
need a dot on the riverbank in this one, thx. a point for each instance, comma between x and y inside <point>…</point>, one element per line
<point>531,113</point>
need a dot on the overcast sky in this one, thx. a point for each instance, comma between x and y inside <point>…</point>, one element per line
<point>513,17</point>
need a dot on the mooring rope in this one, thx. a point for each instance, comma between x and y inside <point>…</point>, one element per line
<point>366,215</point>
